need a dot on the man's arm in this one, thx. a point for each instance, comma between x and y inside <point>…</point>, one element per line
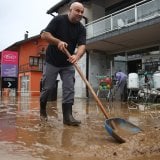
<point>53,40</point>
<point>79,53</point>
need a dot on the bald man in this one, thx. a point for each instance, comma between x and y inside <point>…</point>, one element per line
<point>64,31</point>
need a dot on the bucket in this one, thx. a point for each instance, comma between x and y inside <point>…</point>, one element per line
<point>156,80</point>
<point>141,107</point>
<point>133,81</point>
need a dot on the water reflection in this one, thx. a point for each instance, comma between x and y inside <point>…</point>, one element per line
<point>22,134</point>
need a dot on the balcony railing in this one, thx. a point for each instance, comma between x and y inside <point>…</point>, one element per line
<point>27,67</point>
<point>139,12</point>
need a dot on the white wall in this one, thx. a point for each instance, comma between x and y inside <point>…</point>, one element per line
<point>63,10</point>
<point>80,87</point>
<point>97,66</point>
<point>98,9</point>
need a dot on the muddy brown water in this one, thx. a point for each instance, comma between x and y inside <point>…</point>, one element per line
<point>23,136</point>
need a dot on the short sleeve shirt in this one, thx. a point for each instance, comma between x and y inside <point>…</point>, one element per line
<point>72,33</point>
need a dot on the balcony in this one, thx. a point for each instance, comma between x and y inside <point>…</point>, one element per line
<point>30,68</point>
<point>134,26</point>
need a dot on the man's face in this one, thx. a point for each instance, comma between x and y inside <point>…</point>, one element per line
<point>76,13</point>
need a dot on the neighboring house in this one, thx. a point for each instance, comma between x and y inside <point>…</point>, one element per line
<point>31,53</point>
<point>121,35</point>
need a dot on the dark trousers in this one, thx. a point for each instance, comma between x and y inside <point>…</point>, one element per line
<point>123,90</point>
<point>67,75</point>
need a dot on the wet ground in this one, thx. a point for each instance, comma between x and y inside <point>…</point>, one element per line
<point>23,136</point>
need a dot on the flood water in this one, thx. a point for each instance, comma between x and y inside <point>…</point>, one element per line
<point>23,136</point>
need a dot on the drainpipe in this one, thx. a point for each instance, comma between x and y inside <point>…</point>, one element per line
<point>87,72</point>
<point>85,20</point>
<point>52,14</point>
<point>87,61</point>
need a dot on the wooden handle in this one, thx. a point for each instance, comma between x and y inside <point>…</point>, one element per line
<point>89,86</point>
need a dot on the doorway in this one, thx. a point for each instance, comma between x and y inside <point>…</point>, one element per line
<point>25,86</point>
<point>134,66</point>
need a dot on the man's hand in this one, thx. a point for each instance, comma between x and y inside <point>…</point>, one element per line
<point>62,45</point>
<point>78,54</point>
<point>73,59</point>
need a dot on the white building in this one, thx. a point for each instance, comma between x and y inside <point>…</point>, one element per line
<point>121,35</point>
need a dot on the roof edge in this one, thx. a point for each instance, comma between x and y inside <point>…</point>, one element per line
<point>62,3</point>
<point>57,6</point>
<point>22,41</point>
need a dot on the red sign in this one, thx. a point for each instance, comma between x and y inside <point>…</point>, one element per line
<point>9,57</point>
<point>9,66</point>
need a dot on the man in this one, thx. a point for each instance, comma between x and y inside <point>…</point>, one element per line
<point>121,79</point>
<point>63,32</point>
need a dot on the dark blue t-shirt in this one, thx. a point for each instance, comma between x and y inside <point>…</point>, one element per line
<point>72,33</point>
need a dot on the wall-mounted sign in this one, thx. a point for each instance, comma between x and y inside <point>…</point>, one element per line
<point>9,82</point>
<point>9,64</point>
<point>9,57</point>
<point>9,69</point>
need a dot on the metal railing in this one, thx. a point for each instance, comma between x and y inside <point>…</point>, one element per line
<point>28,67</point>
<point>139,12</point>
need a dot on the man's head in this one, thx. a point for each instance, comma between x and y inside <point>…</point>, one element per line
<point>76,11</point>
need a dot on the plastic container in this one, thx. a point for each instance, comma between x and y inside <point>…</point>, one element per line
<point>133,81</point>
<point>156,80</point>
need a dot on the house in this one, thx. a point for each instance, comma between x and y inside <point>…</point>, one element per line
<point>31,52</point>
<point>121,35</point>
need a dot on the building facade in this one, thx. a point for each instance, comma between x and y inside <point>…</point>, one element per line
<point>31,54</point>
<point>121,35</point>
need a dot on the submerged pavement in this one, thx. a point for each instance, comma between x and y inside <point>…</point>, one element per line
<point>23,136</point>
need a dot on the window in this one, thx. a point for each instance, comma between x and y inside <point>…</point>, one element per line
<point>33,61</point>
